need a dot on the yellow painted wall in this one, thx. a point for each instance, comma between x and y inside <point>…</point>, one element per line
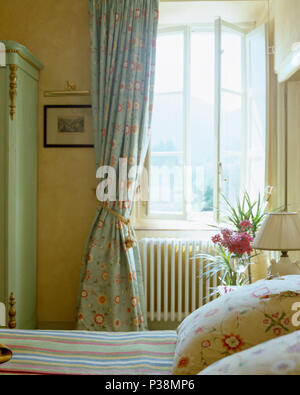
<point>287,28</point>
<point>56,32</point>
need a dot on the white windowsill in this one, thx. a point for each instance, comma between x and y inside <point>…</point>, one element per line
<point>172,225</point>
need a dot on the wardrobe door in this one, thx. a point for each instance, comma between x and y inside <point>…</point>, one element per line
<point>18,202</point>
<point>22,198</point>
<point>4,77</point>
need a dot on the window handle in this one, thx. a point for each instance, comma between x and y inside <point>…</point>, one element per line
<point>225,179</point>
<point>220,168</point>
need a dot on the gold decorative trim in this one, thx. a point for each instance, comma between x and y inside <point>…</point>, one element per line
<point>13,89</point>
<point>23,57</point>
<point>12,312</point>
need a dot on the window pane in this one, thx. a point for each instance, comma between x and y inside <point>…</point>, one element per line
<point>166,185</point>
<point>202,121</point>
<point>169,63</point>
<point>257,111</point>
<point>231,145</point>
<point>232,61</point>
<point>167,144</point>
<point>256,150</point>
<point>167,123</point>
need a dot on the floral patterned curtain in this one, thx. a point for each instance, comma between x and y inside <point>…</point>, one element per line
<point>123,38</point>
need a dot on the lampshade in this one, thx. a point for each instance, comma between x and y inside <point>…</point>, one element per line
<point>279,232</point>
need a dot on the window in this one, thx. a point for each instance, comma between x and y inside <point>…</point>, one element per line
<point>209,120</point>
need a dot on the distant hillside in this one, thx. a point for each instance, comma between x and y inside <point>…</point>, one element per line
<point>167,128</point>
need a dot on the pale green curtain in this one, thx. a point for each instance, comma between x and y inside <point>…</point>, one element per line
<point>123,38</point>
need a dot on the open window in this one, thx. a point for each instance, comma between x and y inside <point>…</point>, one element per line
<point>240,112</point>
<point>209,120</point>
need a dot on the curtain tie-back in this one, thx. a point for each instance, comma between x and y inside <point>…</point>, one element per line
<point>130,240</point>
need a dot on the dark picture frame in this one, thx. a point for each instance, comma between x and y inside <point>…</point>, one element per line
<point>68,126</point>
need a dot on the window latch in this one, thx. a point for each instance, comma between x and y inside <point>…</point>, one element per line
<point>221,172</point>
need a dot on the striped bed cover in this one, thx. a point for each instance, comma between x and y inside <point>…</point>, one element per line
<point>79,352</point>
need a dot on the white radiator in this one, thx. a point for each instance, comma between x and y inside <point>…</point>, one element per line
<point>172,277</point>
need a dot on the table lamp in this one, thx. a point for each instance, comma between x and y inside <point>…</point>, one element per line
<point>280,232</point>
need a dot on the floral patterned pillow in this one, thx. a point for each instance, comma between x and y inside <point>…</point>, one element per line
<point>235,322</point>
<point>275,357</point>
<point>224,290</point>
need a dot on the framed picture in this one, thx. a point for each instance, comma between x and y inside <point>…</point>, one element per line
<point>68,126</point>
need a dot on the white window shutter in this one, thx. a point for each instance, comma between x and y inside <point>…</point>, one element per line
<point>257,103</point>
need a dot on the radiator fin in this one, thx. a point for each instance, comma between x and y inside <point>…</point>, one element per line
<point>174,286</point>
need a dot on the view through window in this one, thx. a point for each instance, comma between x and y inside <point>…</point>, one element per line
<point>200,122</point>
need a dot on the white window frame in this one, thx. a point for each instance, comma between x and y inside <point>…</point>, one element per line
<point>219,25</point>
<point>144,212</point>
<point>189,219</point>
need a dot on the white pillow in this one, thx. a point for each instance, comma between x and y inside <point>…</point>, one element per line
<point>224,290</point>
<point>235,322</point>
<point>279,356</point>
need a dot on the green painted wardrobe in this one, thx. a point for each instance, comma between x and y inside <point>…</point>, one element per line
<point>18,180</point>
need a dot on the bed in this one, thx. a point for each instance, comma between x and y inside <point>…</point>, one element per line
<point>241,329</point>
<point>84,353</point>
